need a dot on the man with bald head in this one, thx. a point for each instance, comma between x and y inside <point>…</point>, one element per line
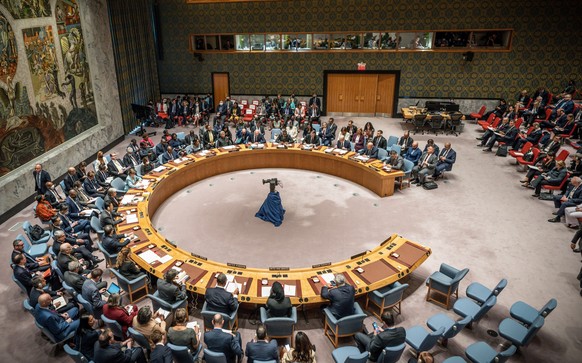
<point>60,325</point>
<point>40,178</point>
<point>341,295</point>
<point>447,158</point>
<point>70,179</point>
<point>221,342</point>
<point>370,151</point>
<point>571,198</point>
<point>426,166</point>
<point>413,153</point>
<point>257,138</point>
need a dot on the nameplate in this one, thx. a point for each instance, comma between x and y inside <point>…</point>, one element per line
<point>236,265</point>
<point>171,172</point>
<point>321,265</point>
<point>278,268</point>
<point>171,242</point>
<point>388,240</point>
<point>358,255</point>
<point>199,257</point>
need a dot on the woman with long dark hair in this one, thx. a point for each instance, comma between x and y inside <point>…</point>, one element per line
<point>302,352</point>
<point>278,305</point>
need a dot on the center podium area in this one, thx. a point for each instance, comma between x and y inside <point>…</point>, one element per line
<point>479,218</point>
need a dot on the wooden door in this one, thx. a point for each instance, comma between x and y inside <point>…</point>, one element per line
<point>351,104</point>
<point>385,95</point>
<point>220,87</point>
<point>367,94</point>
<point>335,93</point>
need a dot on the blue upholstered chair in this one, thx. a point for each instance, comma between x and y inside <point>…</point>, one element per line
<point>347,326</point>
<point>27,307</point>
<point>392,354</point>
<point>452,328</point>
<point>114,326</point>
<point>118,184</point>
<point>86,304</point>
<point>140,339</point>
<point>99,204</point>
<point>349,355</point>
<point>527,314</point>
<point>388,297</point>
<point>274,134</point>
<point>279,327</point>
<point>51,337</point>
<point>69,289</point>
<point>132,287</point>
<point>392,140</point>
<point>455,359</point>
<point>27,227</point>
<point>382,154</point>
<point>110,259</point>
<point>519,334</point>
<point>445,282</point>
<point>35,250</point>
<point>75,354</point>
<point>480,293</point>
<point>230,321</point>
<point>181,136</point>
<point>183,354</point>
<point>159,303</point>
<point>481,352</point>
<point>467,307</point>
<point>55,267</point>
<point>421,340</point>
<point>317,128</point>
<point>96,226</point>
<point>214,357</point>
<point>24,290</point>
<point>407,167</point>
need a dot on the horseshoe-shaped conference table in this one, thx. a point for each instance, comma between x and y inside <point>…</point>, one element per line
<point>391,260</point>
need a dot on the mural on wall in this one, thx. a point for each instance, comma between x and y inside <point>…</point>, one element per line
<point>46,106</point>
<point>26,9</point>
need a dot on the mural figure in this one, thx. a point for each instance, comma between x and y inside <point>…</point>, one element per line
<point>70,80</point>
<point>26,9</point>
<point>8,53</point>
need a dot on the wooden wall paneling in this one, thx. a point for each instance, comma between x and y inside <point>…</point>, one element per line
<point>351,106</point>
<point>385,94</point>
<point>368,89</point>
<point>335,93</point>
<point>220,87</point>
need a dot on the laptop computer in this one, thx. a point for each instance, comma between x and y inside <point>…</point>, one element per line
<point>112,289</point>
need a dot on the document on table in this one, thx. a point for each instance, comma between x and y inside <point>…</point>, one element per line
<point>159,168</point>
<point>265,291</point>
<point>362,158</point>
<point>329,149</point>
<point>327,278</point>
<point>290,290</point>
<point>149,256</point>
<point>126,199</point>
<point>165,259</point>
<point>231,286</point>
<point>131,218</point>
<point>341,152</point>
<point>180,160</point>
<point>533,167</point>
<point>229,147</point>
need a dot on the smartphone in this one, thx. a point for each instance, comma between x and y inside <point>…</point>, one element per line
<point>375,325</point>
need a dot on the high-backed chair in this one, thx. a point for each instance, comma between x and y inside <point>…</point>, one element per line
<point>392,354</point>
<point>478,115</point>
<point>282,327</point>
<point>114,326</point>
<point>27,307</point>
<point>382,154</point>
<point>69,289</point>
<point>159,303</point>
<point>452,328</point>
<point>86,305</point>
<point>436,123</point>
<point>51,337</point>
<point>517,333</point>
<point>35,250</point>
<point>274,134</point>
<point>75,354</point>
<point>445,282</point>
<point>110,259</point>
<point>419,123</point>
<point>27,228</point>
<point>527,314</point>
<point>96,226</point>
<point>118,184</point>
<point>183,354</point>
<point>388,297</point>
<point>140,339</point>
<point>454,359</point>
<point>347,326</point>
<point>467,307</point>
<point>55,267</point>
<point>481,352</point>
<point>24,289</point>
<point>214,357</point>
<point>132,287</point>
<point>231,321</point>
<point>99,204</point>
<point>480,293</point>
<point>421,340</point>
<point>407,170</point>
<point>349,354</point>
<point>392,140</point>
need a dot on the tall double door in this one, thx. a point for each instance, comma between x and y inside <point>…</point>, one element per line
<point>360,94</point>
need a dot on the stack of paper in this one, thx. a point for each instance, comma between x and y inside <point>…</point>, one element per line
<point>231,284</point>
<point>149,256</point>
<point>126,199</point>
<point>328,278</point>
<point>329,149</point>
<point>159,169</point>
<point>290,290</point>
<point>265,291</point>
<point>180,160</point>
<point>163,312</point>
<point>229,147</point>
<point>131,218</point>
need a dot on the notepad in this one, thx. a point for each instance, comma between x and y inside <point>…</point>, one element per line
<point>180,160</point>
<point>229,147</point>
<point>149,256</point>
<point>59,302</point>
<point>159,168</point>
<point>265,291</point>
<point>327,278</point>
<point>126,199</point>
<point>165,259</point>
<point>290,290</point>
<point>131,218</point>
<point>163,312</point>
<point>328,150</point>
<point>231,286</point>
<point>192,324</point>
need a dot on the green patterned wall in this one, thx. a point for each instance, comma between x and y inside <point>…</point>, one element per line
<point>544,48</point>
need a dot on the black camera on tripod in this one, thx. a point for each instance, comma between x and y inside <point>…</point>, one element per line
<point>273,182</point>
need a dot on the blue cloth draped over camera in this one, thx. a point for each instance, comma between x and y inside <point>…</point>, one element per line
<point>272,209</point>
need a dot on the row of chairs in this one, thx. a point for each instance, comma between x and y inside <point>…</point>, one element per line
<point>437,123</point>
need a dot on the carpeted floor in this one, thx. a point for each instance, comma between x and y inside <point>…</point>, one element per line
<point>479,218</point>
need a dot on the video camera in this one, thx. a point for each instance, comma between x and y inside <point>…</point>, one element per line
<point>273,182</point>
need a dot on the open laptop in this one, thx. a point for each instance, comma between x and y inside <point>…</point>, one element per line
<point>112,289</point>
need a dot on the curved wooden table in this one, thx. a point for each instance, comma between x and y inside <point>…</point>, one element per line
<point>393,259</point>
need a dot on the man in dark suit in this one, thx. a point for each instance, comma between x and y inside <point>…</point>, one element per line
<point>40,178</point>
<point>107,216</point>
<point>507,136</point>
<point>534,137</point>
<point>75,207</point>
<point>446,159</point>
<point>342,143</point>
<point>220,300</point>
<point>160,353</point>
<point>53,196</point>
<point>314,113</point>
<point>112,243</point>
<point>370,151</point>
<point>386,336</point>
<point>92,187</point>
<point>32,264</point>
<point>116,167</point>
<point>218,341</point>
<point>315,100</point>
<point>256,138</point>
<point>571,198</point>
<point>553,177</point>
<point>169,155</point>
<point>73,226</point>
<point>260,348</point>
<point>70,179</point>
<point>73,276</point>
<point>109,351</point>
<point>312,139</point>
<point>405,142</point>
<point>168,290</point>
<point>102,175</point>
<point>91,291</point>
<point>21,272</point>
<point>341,297</point>
<point>60,325</point>
<point>379,140</point>
<point>425,167</point>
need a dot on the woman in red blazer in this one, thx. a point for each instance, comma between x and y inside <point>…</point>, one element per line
<point>112,310</point>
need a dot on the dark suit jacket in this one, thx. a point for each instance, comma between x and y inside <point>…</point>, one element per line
<point>170,292</point>
<point>70,182</point>
<point>345,145</point>
<point>577,196</point>
<point>262,350</point>
<point>256,138</point>
<point>113,169</point>
<point>207,138</point>
<point>44,177</point>
<point>380,142</point>
<point>218,341</point>
<point>342,300</point>
<point>31,263</point>
<point>556,176</point>
<point>431,161</point>
<point>111,354</point>
<point>100,177</point>
<point>373,152</point>
<point>166,156</point>
<point>405,142</point>
<point>161,354</point>
<point>386,338</point>
<point>74,208</point>
<point>24,276</point>
<point>220,300</point>
<point>105,218</point>
<point>449,159</point>
<point>113,245</point>
<point>51,320</point>
<point>309,140</point>
<point>74,280</point>
<point>279,309</point>
<point>91,187</point>
<point>51,196</point>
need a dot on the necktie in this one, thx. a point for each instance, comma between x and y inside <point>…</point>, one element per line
<point>445,153</point>
<point>117,165</point>
<point>38,181</point>
<point>426,158</point>
<point>76,205</point>
<point>572,192</point>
